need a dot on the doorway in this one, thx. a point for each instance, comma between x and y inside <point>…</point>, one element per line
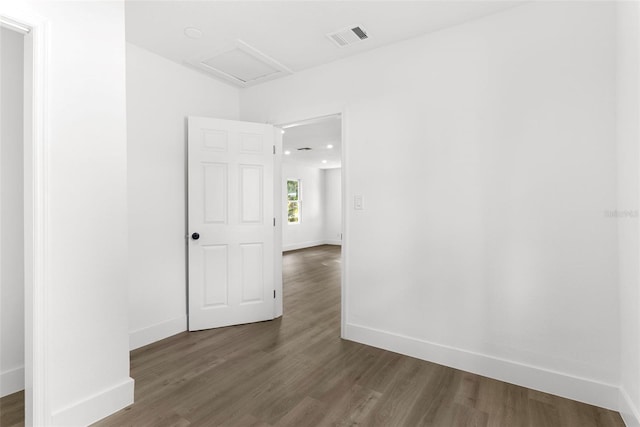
<point>12,260</point>
<point>312,205</point>
<point>24,221</point>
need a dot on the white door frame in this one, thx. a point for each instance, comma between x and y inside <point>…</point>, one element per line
<point>344,182</point>
<point>36,218</point>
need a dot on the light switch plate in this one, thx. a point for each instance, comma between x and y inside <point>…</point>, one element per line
<point>358,202</point>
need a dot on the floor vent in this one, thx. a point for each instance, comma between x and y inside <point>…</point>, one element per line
<point>348,36</point>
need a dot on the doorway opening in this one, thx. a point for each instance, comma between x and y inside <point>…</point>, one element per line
<point>312,215</point>
<point>12,259</point>
<point>24,221</point>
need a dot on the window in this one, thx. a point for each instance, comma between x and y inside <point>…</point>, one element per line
<point>293,201</point>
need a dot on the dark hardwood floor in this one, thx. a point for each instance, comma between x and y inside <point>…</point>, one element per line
<point>296,371</point>
<point>12,410</point>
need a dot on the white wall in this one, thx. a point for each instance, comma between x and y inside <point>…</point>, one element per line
<point>11,213</point>
<point>160,95</point>
<point>86,277</point>
<point>310,230</point>
<point>332,205</point>
<point>486,157</point>
<point>628,188</point>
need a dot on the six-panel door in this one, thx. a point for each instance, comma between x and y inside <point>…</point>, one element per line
<point>230,206</point>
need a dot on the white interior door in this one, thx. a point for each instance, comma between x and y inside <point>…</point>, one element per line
<point>230,222</point>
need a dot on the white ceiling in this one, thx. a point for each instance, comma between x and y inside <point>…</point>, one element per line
<point>316,134</point>
<point>291,32</point>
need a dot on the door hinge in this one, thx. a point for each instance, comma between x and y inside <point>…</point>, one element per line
<point>274,149</point>
<point>274,293</point>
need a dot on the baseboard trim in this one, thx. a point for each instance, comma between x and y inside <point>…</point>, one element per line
<point>141,337</point>
<point>557,383</point>
<point>305,245</point>
<point>11,381</point>
<point>333,242</point>
<point>628,410</point>
<point>96,407</point>
<point>302,245</point>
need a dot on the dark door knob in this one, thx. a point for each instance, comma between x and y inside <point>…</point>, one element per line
<point>195,236</point>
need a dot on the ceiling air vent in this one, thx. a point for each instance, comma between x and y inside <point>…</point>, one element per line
<point>348,36</point>
<point>304,149</point>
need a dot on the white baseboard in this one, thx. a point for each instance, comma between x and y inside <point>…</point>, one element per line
<point>96,407</point>
<point>11,381</point>
<point>557,383</point>
<point>333,242</point>
<point>628,410</point>
<point>157,332</point>
<point>304,245</point>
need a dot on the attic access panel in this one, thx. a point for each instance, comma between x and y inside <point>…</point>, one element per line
<point>241,65</point>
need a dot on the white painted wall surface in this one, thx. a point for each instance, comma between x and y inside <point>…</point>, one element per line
<point>11,212</point>
<point>628,188</point>
<point>332,205</point>
<point>310,230</point>
<point>160,95</point>
<point>486,157</point>
<point>86,280</point>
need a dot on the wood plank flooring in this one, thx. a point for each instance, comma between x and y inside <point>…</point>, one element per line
<point>12,410</point>
<point>296,371</point>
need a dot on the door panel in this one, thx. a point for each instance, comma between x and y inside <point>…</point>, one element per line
<point>252,278</point>
<point>215,193</point>
<point>216,279</point>
<point>231,194</point>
